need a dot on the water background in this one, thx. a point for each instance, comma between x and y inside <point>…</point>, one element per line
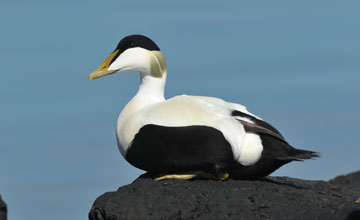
<point>294,63</point>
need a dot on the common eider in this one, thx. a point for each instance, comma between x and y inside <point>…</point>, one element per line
<point>187,137</point>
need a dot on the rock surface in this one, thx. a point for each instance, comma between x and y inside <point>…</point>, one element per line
<point>3,210</point>
<point>351,181</point>
<point>269,198</point>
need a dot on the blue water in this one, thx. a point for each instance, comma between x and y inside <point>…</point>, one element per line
<point>294,63</point>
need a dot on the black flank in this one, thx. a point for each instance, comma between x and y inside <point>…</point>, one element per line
<point>161,150</point>
<point>174,150</point>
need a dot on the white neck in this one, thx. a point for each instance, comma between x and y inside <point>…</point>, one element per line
<point>151,91</point>
<point>151,88</point>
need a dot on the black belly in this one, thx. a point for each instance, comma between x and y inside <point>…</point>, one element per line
<point>161,150</point>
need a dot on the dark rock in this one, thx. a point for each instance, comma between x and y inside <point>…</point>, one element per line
<point>269,198</point>
<point>351,181</point>
<point>3,210</point>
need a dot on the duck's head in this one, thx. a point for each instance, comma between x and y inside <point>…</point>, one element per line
<point>134,52</point>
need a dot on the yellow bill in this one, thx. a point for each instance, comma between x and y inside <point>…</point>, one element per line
<point>103,68</point>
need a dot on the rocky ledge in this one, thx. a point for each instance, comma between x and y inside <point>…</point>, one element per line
<point>351,181</point>
<point>268,198</point>
<point>3,210</point>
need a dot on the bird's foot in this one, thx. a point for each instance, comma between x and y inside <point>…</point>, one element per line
<point>225,176</point>
<point>176,176</point>
<point>201,175</point>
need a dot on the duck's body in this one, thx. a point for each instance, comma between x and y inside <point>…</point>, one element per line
<point>190,134</point>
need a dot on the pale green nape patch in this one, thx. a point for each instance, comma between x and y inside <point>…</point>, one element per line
<point>158,64</point>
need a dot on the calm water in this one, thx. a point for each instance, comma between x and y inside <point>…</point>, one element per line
<point>294,64</point>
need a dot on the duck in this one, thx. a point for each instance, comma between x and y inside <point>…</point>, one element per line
<point>189,137</point>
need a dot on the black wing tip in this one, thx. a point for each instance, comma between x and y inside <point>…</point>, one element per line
<point>300,155</point>
<point>306,155</point>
